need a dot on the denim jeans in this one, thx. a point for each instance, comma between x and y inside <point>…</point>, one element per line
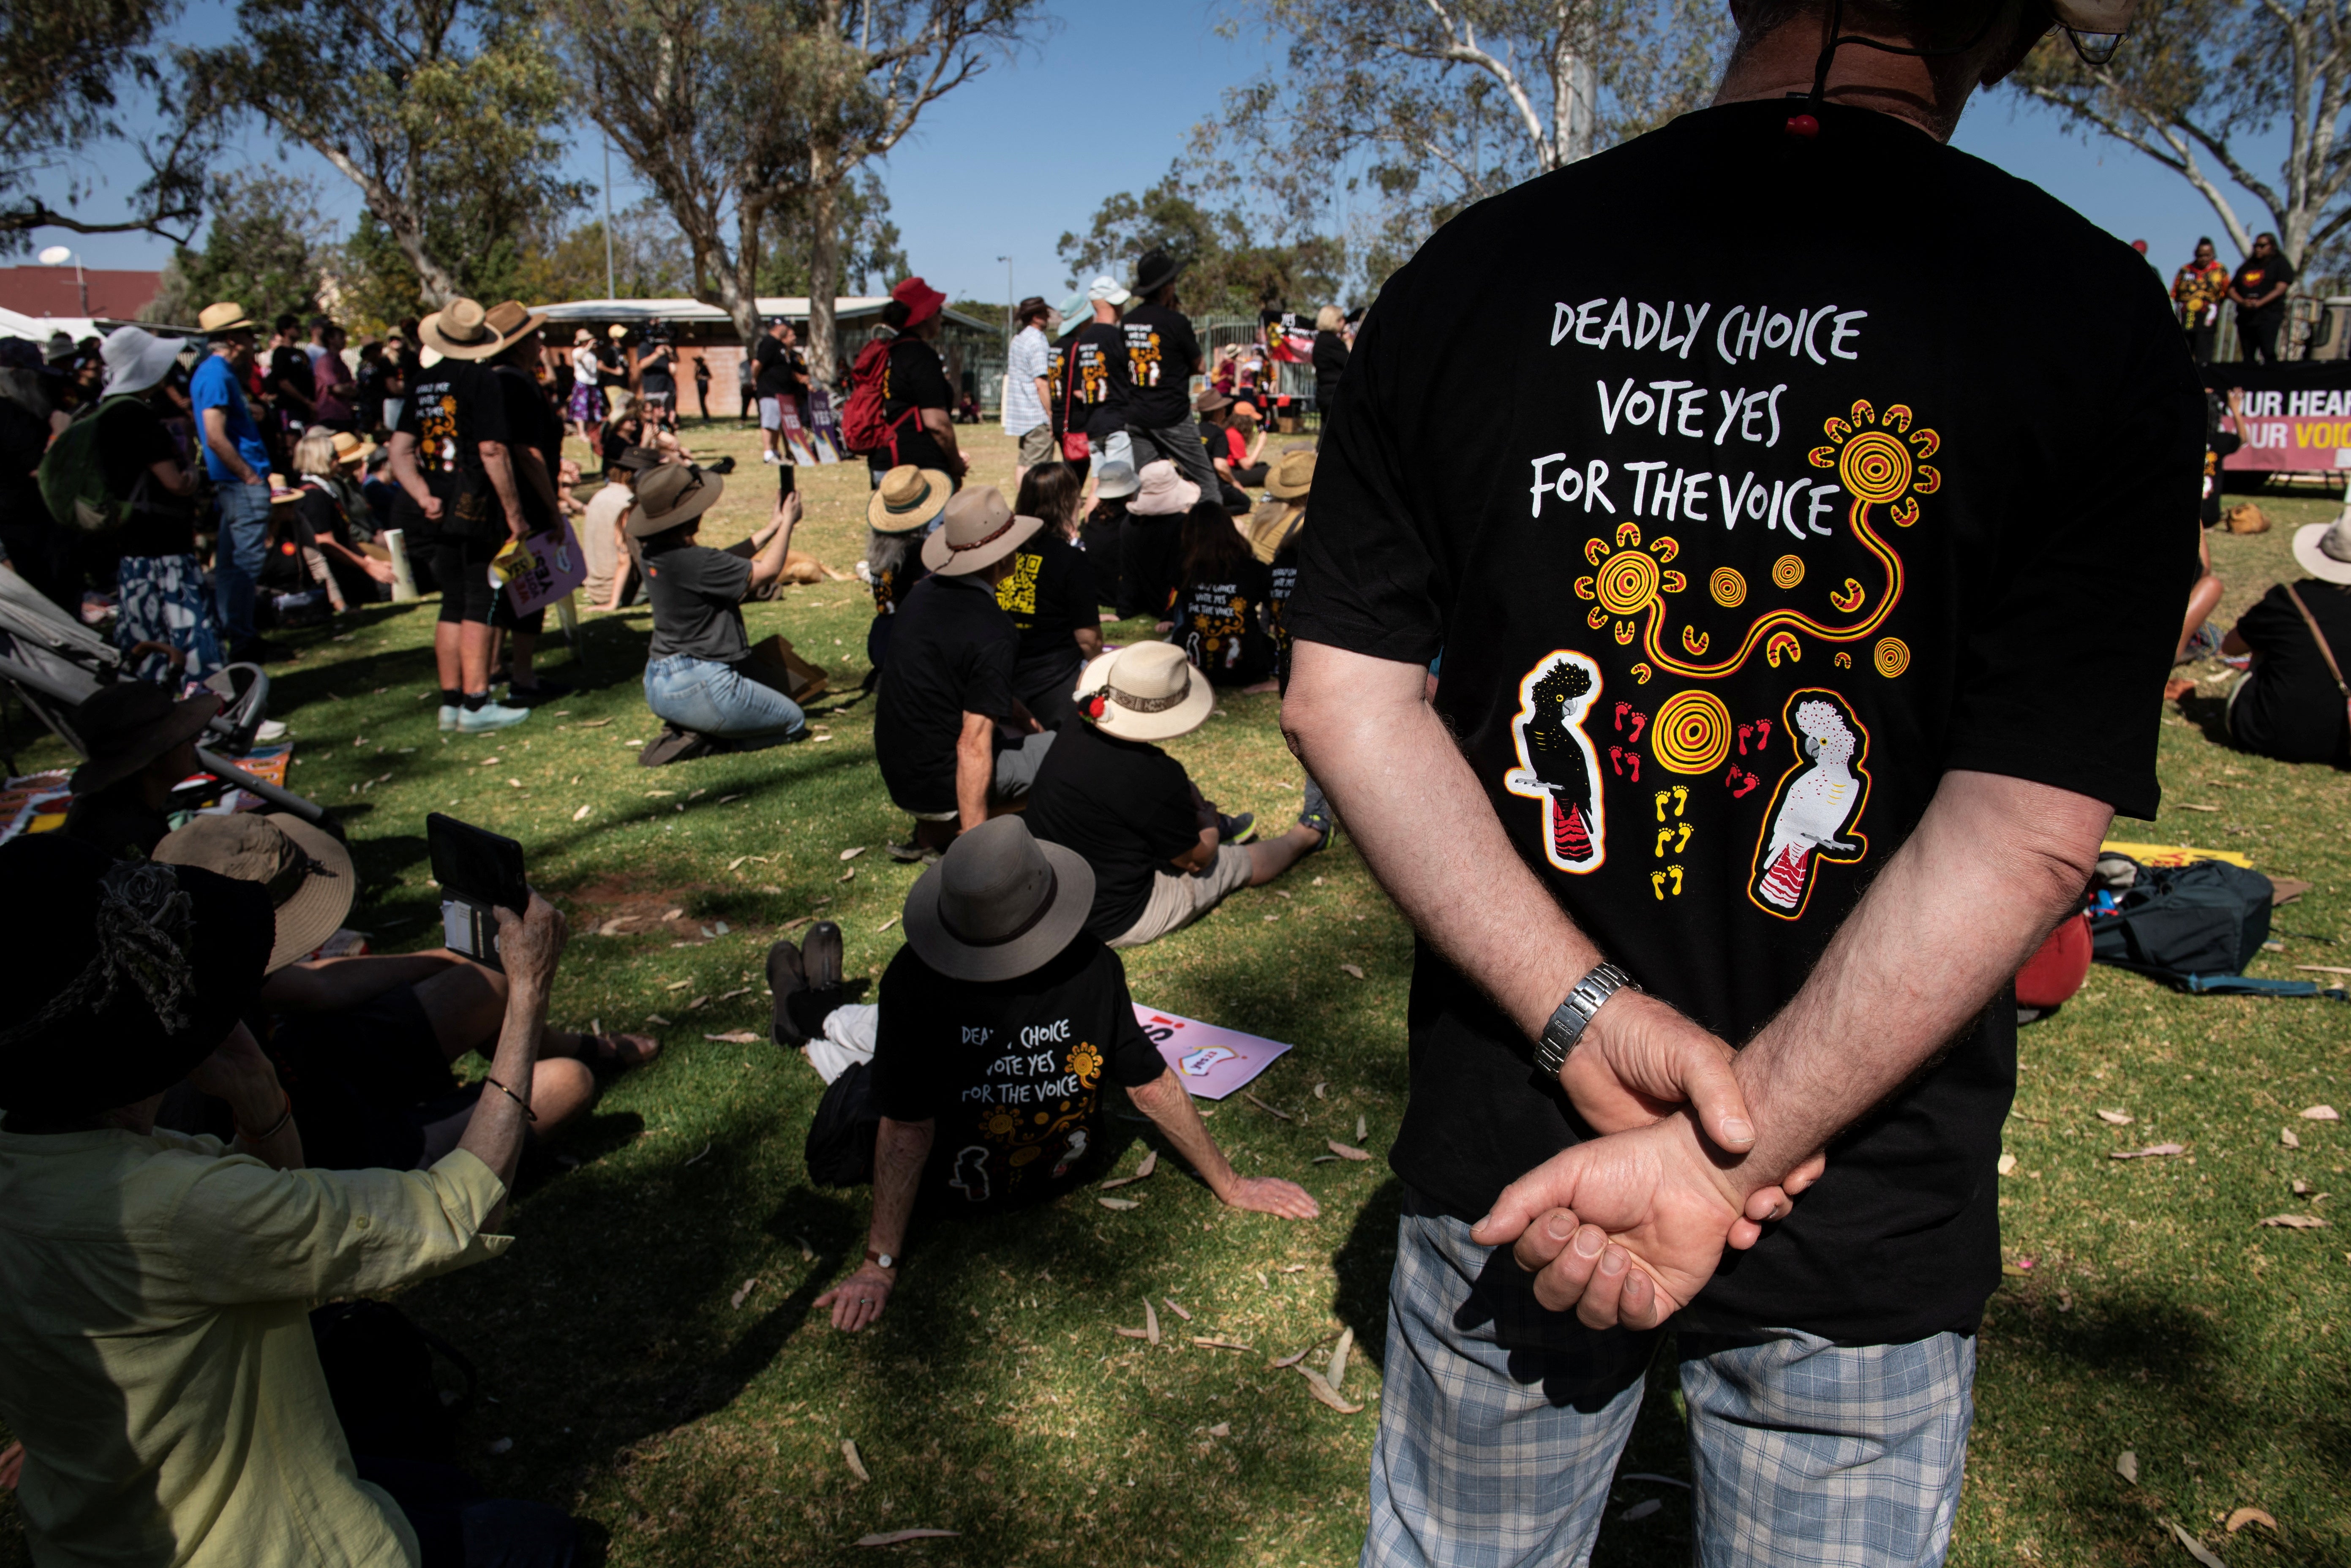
<point>457,1527</point>
<point>711,699</point>
<point>237,558</point>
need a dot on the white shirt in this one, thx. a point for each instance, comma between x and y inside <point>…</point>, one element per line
<point>1024,411</point>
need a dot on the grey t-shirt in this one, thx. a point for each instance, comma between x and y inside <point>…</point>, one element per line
<point>698,597</point>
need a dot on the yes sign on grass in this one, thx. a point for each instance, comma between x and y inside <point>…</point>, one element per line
<point>1212,1061</point>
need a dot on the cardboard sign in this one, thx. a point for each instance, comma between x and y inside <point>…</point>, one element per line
<point>824,427</point>
<point>1213,1061</point>
<point>795,435</point>
<point>543,569</point>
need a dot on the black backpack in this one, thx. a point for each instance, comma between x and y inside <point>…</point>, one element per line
<point>840,1150</point>
<point>378,1368</point>
<point>2205,918</point>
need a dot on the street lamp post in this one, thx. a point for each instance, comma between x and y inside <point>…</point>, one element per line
<point>58,256</point>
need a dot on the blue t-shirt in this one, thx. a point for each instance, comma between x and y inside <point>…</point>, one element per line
<point>215,386</point>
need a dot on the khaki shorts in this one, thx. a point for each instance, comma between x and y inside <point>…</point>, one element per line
<point>1038,446</point>
<point>1176,900</point>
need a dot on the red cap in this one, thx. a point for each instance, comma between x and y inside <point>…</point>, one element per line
<point>921,301</point>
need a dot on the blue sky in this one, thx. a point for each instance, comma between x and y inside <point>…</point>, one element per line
<point>1104,104</point>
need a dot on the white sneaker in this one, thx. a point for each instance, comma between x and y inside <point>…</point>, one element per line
<point>449,712</point>
<point>489,717</point>
<point>269,729</point>
<point>770,457</point>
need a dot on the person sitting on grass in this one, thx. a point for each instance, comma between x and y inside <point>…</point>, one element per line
<point>692,681</point>
<point>951,735</point>
<point>1219,619</point>
<point>1051,596</point>
<point>902,509</point>
<point>1157,846</point>
<point>156,1357</point>
<point>999,1005</point>
<point>141,744</point>
<point>1105,519</point>
<point>323,458</point>
<point>2291,703</point>
<point>1227,448</point>
<point>612,577</point>
<point>364,1045</point>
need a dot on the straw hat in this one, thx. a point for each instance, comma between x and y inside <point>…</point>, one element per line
<point>2323,550</point>
<point>672,496</point>
<point>907,498</point>
<point>1147,690</point>
<point>1293,476</point>
<point>979,530</point>
<point>130,725</point>
<point>350,448</point>
<point>226,317</point>
<point>999,903</point>
<point>1163,492</point>
<point>616,331</point>
<point>136,360</point>
<point>462,329</point>
<point>305,872</point>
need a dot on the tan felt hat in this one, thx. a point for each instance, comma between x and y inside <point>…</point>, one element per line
<point>1148,691</point>
<point>670,496</point>
<point>1292,477</point>
<point>462,329</point>
<point>980,529</point>
<point>306,872</point>
<point>907,498</point>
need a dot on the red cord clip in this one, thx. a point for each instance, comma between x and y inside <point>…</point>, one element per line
<point>1803,125</point>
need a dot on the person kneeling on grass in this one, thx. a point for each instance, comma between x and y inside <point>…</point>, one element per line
<point>364,1045</point>
<point>997,1023</point>
<point>156,1358</point>
<point>692,681</point>
<point>2291,705</point>
<point>1156,846</point>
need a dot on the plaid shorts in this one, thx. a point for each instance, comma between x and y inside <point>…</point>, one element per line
<point>1501,1426</point>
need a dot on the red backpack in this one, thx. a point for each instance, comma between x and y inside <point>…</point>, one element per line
<point>864,426</point>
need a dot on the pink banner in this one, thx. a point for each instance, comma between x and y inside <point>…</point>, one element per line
<point>1211,1061</point>
<point>2308,430</point>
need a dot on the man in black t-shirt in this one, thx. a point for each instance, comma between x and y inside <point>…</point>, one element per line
<point>2290,704</point>
<point>1751,572</point>
<point>777,380</point>
<point>1163,355</point>
<point>1000,1025</point>
<point>533,448</point>
<point>951,737</point>
<point>1154,842</point>
<point>2258,291</point>
<point>288,384</point>
<point>1095,385</point>
<point>915,398</point>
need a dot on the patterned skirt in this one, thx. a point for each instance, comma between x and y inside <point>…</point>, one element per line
<point>587,405</point>
<point>164,599</point>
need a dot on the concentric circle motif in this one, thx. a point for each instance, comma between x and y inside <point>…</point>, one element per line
<point>1787,572</point>
<point>1727,587</point>
<point>1692,732</point>
<point>1874,466</point>
<point>1628,582</point>
<point>1892,656</point>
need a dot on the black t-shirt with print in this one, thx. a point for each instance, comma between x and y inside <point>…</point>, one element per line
<point>1220,624</point>
<point>1011,1070</point>
<point>529,423</point>
<point>915,380</point>
<point>1281,581</point>
<point>2257,275</point>
<point>1056,364</point>
<point>1743,540</point>
<point>1125,806</point>
<point>131,441</point>
<point>2291,708</point>
<point>952,652</point>
<point>451,410</point>
<point>1162,354</point>
<point>1050,596</point>
<point>1096,356</point>
<point>698,597</point>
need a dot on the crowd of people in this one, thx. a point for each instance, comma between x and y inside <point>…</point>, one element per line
<point>211,1123</point>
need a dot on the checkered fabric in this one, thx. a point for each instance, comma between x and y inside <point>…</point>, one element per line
<point>1500,1425</point>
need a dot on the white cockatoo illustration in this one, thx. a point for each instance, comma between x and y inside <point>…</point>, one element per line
<point>1813,808</point>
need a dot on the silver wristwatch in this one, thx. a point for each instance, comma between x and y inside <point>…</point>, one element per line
<point>1572,1017</point>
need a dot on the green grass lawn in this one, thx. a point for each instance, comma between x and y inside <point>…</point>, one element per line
<point>995,1400</point>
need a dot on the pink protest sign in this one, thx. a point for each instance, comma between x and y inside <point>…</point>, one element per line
<point>1212,1061</point>
<point>555,568</point>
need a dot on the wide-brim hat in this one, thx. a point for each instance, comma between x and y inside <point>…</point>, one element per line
<point>1154,271</point>
<point>581,335</point>
<point>1000,905</point>
<point>227,315</point>
<point>2323,550</point>
<point>1114,480</point>
<point>350,448</point>
<point>907,498</point>
<point>136,360</point>
<point>120,976</point>
<point>671,496</point>
<point>1210,401</point>
<point>1293,476</point>
<point>980,529</point>
<point>1147,690</point>
<point>1161,492</point>
<point>305,872</point>
<point>921,301</point>
<point>130,725</point>
<point>1033,306</point>
<point>462,329</point>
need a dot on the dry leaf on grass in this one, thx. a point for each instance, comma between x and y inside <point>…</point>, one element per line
<point>856,1465</point>
<point>1150,1324</point>
<point>2007,1165</point>
<point>656,1018</point>
<point>2302,1190</point>
<point>1640,1511</point>
<point>852,854</point>
<point>1222,1344</point>
<point>1290,1360</point>
<point>807,1253</point>
<point>1178,1310</point>
<point>592,723</point>
<point>1317,1091</point>
<point>1337,1371</point>
<point>2324,968</point>
<point>1347,1151</point>
<point>2293,1222</point>
<point>611,927</point>
<point>581,815</point>
<point>738,860</point>
<point>735,1037</point>
<point>696,1004</point>
<point>1324,1160</point>
<point>1150,1163</point>
<point>1118,1203</point>
<point>2126,1466</point>
<point>1353,969</point>
<point>1321,1388</point>
<point>2186,806</point>
<point>849,875</point>
<point>2152,1149</point>
<point>2116,1118</point>
<point>2197,1550</point>
<point>2245,1516</point>
<point>1362,1129</point>
<point>705,1149</point>
<point>1268,1110</point>
<point>2321,1114</point>
<point>1291,1269</point>
<point>892,1537</point>
<point>1221,1430</point>
<point>1128,1333</point>
<point>737,1299</point>
<point>885,926</point>
<point>677,985</point>
<point>2286,1137</point>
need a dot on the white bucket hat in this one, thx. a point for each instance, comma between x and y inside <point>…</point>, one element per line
<point>136,358</point>
<point>2323,550</point>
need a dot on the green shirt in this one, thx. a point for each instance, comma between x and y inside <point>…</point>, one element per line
<point>155,1351</point>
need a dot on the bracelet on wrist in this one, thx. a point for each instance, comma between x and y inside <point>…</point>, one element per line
<point>285,1116</point>
<point>527,1114</point>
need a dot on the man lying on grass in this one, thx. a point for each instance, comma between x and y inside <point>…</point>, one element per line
<point>998,1021</point>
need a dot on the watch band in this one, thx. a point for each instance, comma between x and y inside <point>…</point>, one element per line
<point>886,1259</point>
<point>1572,1017</point>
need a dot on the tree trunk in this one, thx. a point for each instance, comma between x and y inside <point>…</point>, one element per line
<point>824,262</point>
<point>406,227</point>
